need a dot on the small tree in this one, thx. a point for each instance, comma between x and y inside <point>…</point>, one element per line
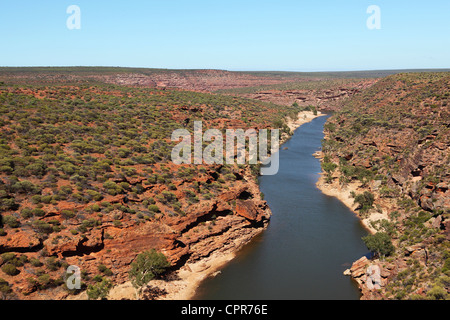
<point>365,201</point>
<point>379,243</point>
<point>329,167</point>
<point>147,266</point>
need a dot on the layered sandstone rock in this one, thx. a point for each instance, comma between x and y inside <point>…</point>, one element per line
<point>392,141</point>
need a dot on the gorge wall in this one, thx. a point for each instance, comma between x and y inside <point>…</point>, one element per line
<point>391,144</point>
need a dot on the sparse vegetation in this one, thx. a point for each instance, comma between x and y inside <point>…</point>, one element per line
<point>77,158</point>
<point>379,139</point>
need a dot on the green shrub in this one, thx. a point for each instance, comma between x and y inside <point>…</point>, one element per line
<point>5,287</point>
<point>8,203</point>
<point>153,208</point>
<point>103,269</point>
<point>38,212</point>
<point>329,167</point>
<point>99,290</point>
<point>446,266</point>
<point>112,188</point>
<point>87,224</point>
<point>8,256</point>
<point>10,269</point>
<point>36,199</point>
<point>230,177</point>
<point>67,214</point>
<point>11,221</point>
<point>44,281</point>
<point>42,226</point>
<point>97,278</point>
<point>365,201</point>
<point>26,213</point>
<point>169,196</point>
<point>46,199</point>
<point>25,187</point>
<point>17,261</point>
<point>52,264</point>
<point>94,195</point>
<point>209,196</point>
<point>35,262</point>
<point>421,217</point>
<point>380,243</point>
<point>437,293</point>
<point>387,192</point>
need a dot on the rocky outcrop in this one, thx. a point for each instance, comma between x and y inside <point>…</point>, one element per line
<point>325,99</point>
<point>222,224</point>
<point>371,276</point>
<point>207,227</point>
<point>194,80</point>
<point>20,241</point>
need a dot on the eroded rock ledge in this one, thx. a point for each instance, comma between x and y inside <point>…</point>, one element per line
<point>197,243</point>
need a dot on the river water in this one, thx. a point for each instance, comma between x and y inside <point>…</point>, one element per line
<point>311,239</point>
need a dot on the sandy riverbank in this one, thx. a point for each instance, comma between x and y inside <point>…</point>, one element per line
<point>303,117</point>
<point>344,194</point>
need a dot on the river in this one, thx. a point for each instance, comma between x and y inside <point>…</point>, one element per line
<point>311,239</point>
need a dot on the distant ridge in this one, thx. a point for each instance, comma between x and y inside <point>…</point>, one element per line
<point>147,71</point>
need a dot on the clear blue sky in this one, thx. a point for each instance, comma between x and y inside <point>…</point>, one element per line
<point>292,35</point>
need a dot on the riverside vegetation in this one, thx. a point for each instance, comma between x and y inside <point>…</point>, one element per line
<point>389,146</point>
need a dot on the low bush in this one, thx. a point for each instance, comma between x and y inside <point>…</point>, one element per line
<point>10,269</point>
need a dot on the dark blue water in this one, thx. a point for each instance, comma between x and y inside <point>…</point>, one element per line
<point>311,239</point>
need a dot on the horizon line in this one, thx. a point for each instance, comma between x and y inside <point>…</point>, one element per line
<point>231,70</point>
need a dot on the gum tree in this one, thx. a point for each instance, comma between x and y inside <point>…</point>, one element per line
<point>147,266</point>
